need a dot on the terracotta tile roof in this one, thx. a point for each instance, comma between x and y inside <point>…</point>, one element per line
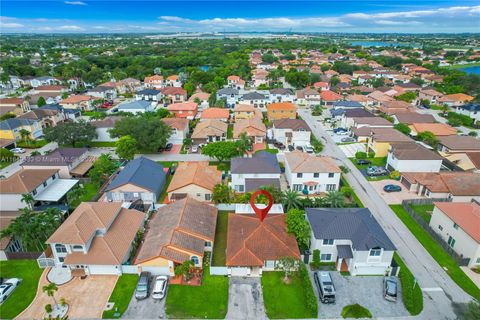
<point>464,214</point>
<point>209,127</point>
<point>456,97</point>
<point>413,151</point>
<point>456,183</point>
<point>251,242</point>
<point>154,78</point>
<point>294,124</point>
<point>173,90</point>
<point>77,99</point>
<point>215,113</point>
<point>180,225</point>
<point>173,77</point>
<point>378,121</point>
<point>285,106</point>
<point>25,180</point>
<point>198,173</point>
<point>306,163</point>
<point>49,88</point>
<point>438,129</point>
<point>253,127</point>
<point>108,122</point>
<point>244,108</point>
<point>357,98</point>
<point>328,95</point>
<point>474,158</point>
<point>182,106</point>
<point>460,142</point>
<point>177,123</point>
<point>10,101</point>
<point>388,135</point>
<point>203,96</point>
<point>413,117</point>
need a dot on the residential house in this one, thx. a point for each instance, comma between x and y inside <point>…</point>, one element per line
<point>209,131</point>
<point>103,92</point>
<point>394,107</point>
<point>180,231</point>
<point>53,90</point>
<point>230,95</point>
<point>311,174</point>
<point>102,127</point>
<point>141,179</point>
<point>406,87</point>
<point>254,128</point>
<point>259,77</point>
<point>131,84</point>
<point>9,244</point>
<point>455,99</point>
<point>136,106</point>
<point>201,98</point>
<point>195,180</point>
<point>346,118</point>
<point>328,98</point>
<point>294,132</point>
<point>308,97</point>
<point>255,99</point>
<point>431,95</point>
<point>246,111</point>
<point>347,104</point>
<point>155,81</point>
<point>282,95</point>
<point>68,161</point>
<point>471,110</point>
<point>11,128</point>
<point>173,81</point>
<point>68,114</point>
<point>78,102</point>
<point>409,118</point>
<point>97,238</point>
<point>235,82</point>
<point>412,157</point>
<point>149,95</point>
<point>438,129</point>
<point>186,110</point>
<point>457,186</point>
<point>44,185</point>
<point>247,253</point>
<point>352,238</point>
<point>15,106</point>
<point>323,86</point>
<point>458,225</point>
<point>380,139</point>
<point>221,114</point>
<point>281,110</point>
<point>458,144</point>
<point>174,95</point>
<point>119,87</point>
<point>373,122</point>
<point>48,118</point>
<point>249,174</point>
<point>180,129</point>
<point>377,98</point>
<point>43,81</point>
<point>465,161</point>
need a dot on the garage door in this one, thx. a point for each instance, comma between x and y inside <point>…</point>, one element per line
<point>111,270</point>
<point>240,272</point>
<point>406,183</point>
<point>370,271</point>
<point>178,196</point>
<point>156,271</point>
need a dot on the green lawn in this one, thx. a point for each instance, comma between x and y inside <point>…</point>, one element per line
<point>121,295</point>
<point>285,301</point>
<point>102,144</point>
<point>30,273</point>
<point>437,252</point>
<point>222,166</point>
<point>4,164</point>
<point>355,311</point>
<point>32,144</point>
<point>423,211</point>
<point>164,193</point>
<point>168,164</point>
<point>230,131</point>
<point>208,301</point>
<point>411,295</point>
<point>220,244</point>
<point>380,162</point>
<point>344,183</point>
<point>90,191</point>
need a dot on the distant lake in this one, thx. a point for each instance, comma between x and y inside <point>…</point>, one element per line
<point>204,68</point>
<point>382,44</point>
<point>472,70</point>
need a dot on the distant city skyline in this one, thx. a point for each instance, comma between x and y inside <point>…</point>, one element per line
<point>18,16</point>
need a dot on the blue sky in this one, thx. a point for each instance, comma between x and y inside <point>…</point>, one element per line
<point>279,16</point>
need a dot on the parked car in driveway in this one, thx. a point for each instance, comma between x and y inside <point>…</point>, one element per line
<point>363,161</point>
<point>290,148</point>
<point>169,146</point>
<point>7,288</point>
<point>348,139</point>
<point>390,288</point>
<point>392,188</point>
<point>340,130</point>
<point>194,149</point>
<point>160,288</point>
<point>376,171</point>
<point>143,286</point>
<point>279,145</point>
<point>326,289</point>
<point>18,150</point>
<point>308,149</point>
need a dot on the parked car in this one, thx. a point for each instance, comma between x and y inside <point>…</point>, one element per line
<point>18,150</point>
<point>376,171</point>
<point>290,148</point>
<point>143,286</point>
<point>338,130</point>
<point>348,139</point>
<point>169,146</point>
<point>299,148</point>
<point>325,287</point>
<point>308,149</point>
<point>392,188</point>
<point>7,288</point>
<point>279,145</point>
<point>160,288</point>
<point>390,288</point>
<point>363,161</point>
<point>194,149</point>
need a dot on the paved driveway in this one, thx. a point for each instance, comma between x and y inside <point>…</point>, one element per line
<point>146,309</point>
<point>351,149</point>
<point>366,291</point>
<point>86,298</point>
<point>393,197</point>
<point>245,299</point>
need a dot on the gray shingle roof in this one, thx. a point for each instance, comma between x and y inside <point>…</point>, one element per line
<point>227,91</point>
<point>13,123</point>
<point>262,162</point>
<point>143,173</point>
<point>151,92</point>
<point>355,224</point>
<point>470,107</point>
<point>347,104</point>
<point>283,91</point>
<point>138,104</point>
<point>253,96</point>
<point>60,156</point>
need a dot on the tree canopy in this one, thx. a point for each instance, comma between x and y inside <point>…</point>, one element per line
<point>71,133</point>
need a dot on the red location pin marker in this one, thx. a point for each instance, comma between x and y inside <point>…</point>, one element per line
<point>261,213</point>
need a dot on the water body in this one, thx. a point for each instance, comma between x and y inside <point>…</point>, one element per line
<point>471,70</point>
<point>204,68</point>
<point>382,44</point>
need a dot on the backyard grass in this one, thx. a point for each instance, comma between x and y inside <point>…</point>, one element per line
<point>424,211</point>
<point>91,190</point>
<point>220,244</point>
<point>344,183</point>
<point>121,295</point>
<point>30,273</point>
<point>411,293</point>
<point>286,301</point>
<point>355,311</point>
<point>164,193</point>
<point>168,164</point>
<point>437,252</point>
<point>208,301</point>
<point>222,166</point>
<point>32,144</point>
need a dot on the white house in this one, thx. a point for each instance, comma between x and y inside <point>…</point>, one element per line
<point>149,95</point>
<point>352,238</point>
<point>230,95</point>
<point>249,174</point>
<point>138,106</point>
<point>256,99</point>
<point>180,129</point>
<point>103,126</point>
<point>458,223</point>
<point>412,157</point>
<point>311,174</point>
<point>282,95</point>
<point>294,132</point>
<point>103,92</point>
<point>471,110</point>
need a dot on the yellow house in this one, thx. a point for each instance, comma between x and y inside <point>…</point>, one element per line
<point>178,232</point>
<point>281,110</point>
<point>380,139</point>
<point>11,128</point>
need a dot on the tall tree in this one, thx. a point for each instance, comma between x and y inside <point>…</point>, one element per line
<point>298,226</point>
<point>102,169</point>
<point>221,150</point>
<point>126,147</point>
<point>71,133</point>
<point>244,143</point>
<point>24,134</point>
<point>291,200</point>
<point>41,102</point>
<point>335,199</point>
<point>50,290</point>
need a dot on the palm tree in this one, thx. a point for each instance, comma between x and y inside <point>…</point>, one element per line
<point>50,290</point>
<point>291,200</point>
<point>244,143</point>
<point>74,195</point>
<point>28,199</point>
<point>24,134</point>
<point>445,110</point>
<point>335,199</point>
<point>275,192</point>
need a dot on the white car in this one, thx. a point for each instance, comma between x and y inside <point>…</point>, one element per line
<point>7,288</point>
<point>194,149</point>
<point>308,149</point>
<point>18,150</point>
<point>160,287</point>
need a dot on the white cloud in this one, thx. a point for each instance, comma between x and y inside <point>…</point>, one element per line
<point>10,25</point>
<point>75,3</point>
<point>71,28</point>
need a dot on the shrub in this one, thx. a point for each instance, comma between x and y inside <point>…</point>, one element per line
<point>371,154</point>
<point>355,311</point>
<point>473,134</point>
<point>315,264</point>
<point>360,155</point>
<point>310,298</point>
<point>344,169</point>
<point>6,155</point>
<point>347,191</point>
<point>395,175</point>
<point>454,122</point>
<point>48,308</point>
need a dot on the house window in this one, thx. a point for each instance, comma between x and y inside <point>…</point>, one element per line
<point>451,241</point>
<point>208,196</point>
<point>331,187</point>
<point>208,244</point>
<point>195,260</point>
<point>375,252</point>
<point>331,174</point>
<point>44,183</point>
<point>34,192</point>
<point>326,257</point>
<point>316,175</point>
<point>54,177</point>
<point>328,242</point>
<point>455,226</point>
<point>440,228</point>
<point>60,248</point>
<point>61,259</point>
<point>478,260</point>
<point>299,175</point>
<point>199,194</point>
<point>297,187</point>
<point>240,187</point>
<point>77,248</point>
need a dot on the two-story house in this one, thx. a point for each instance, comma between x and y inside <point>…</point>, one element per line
<point>281,110</point>
<point>11,129</point>
<point>294,132</point>
<point>103,92</point>
<point>230,95</point>
<point>282,95</point>
<point>471,110</point>
<point>210,130</point>
<point>180,129</point>
<point>174,95</point>
<point>186,110</point>
<point>256,99</point>
<point>149,95</point>
<point>412,157</point>
<point>249,174</point>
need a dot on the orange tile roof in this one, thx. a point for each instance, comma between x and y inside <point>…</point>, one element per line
<point>154,78</point>
<point>456,97</point>
<point>253,127</point>
<point>464,214</point>
<point>306,163</point>
<point>203,96</point>
<point>197,173</point>
<point>286,106</point>
<point>173,77</point>
<point>438,129</point>
<point>182,106</point>
<point>251,242</point>
<point>25,180</point>
<point>49,88</point>
<point>320,84</point>
<point>177,123</point>
<point>173,90</point>
<point>76,99</point>
<point>215,113</point>
<point>328,95</point>
<point>11,101</point>
<point>209,127</point>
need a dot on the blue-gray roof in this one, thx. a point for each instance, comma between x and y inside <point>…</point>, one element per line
<point>227,91</point>
<point>347,104</point>
<point>13,123</point>
<point>355,224</point>
<point>143,173</point>
<point>337,112</point>
<point>138,104</point>
<point>149,92</point>
<point>253,96</point>
<point>262,162</point>
<point>472,107</point>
